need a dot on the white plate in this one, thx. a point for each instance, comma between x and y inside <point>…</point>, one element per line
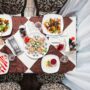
<point>56,40</point>
<point>48,69</point>
<point>8,32</point>
<point>6,60</point>
<point>37,55</point>
<point>47,18</point>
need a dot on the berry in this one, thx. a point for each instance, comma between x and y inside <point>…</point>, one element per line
<point>26,39</point>
<point>53,61</point>
<point>72,38</point>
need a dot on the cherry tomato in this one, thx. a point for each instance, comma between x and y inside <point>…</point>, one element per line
<point>26,39</point>
<point>53,61</point>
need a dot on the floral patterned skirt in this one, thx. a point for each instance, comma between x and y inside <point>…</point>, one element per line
<point>11,77</point>
<point>50,78</point>
<point>10,86</point>
<point>54,86</point>
<point>48,6</point>
<point>12,6</point>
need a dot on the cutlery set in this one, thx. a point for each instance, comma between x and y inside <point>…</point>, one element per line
<point>14,45</point>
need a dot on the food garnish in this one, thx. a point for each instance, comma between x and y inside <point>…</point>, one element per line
<point>26,39</point>
<point>72,43</point>
<point>51,62</point>
<point>53,25</point>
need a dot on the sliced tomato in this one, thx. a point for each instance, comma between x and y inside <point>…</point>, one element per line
<point>26,39</point>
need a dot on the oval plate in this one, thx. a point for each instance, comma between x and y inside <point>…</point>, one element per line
<point>36,54</point>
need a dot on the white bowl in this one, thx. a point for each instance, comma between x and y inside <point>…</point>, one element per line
<point>47,18</point>
<point>8,32</point>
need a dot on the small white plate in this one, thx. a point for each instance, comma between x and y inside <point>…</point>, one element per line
<point>2,64</point>
<point>48,69</point>
<point>8,32</point>
<point>47,18</point>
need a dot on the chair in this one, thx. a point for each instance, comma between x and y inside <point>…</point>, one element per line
<point>48,6</point>
<point>13,7</point>
<point>52,82</point>
<point>50,78</point>
<point>10,86</point>
<point>9,77</point>
<point>54,86</point>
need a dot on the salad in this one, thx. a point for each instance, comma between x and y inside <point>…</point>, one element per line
<point>53,25</point>
<point>4,24</point>
<point>36,45</point>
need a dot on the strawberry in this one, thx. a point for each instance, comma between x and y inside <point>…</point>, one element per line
<point>26,39</point>
<point>53,61</point>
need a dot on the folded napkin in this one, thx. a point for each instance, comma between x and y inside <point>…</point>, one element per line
<point>64,67</point>
<point>67,20</point>
<point>16,66</point>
